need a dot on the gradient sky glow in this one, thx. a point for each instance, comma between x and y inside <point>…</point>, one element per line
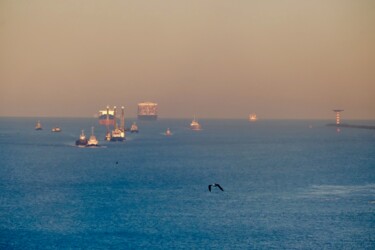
<point>212,58</point>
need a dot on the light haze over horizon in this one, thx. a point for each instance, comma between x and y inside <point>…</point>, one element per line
<point>213,59</point>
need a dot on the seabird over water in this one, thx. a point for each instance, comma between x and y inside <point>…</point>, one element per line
<point>214,185</point>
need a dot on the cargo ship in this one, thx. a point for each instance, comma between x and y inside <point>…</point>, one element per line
<point>147,111</point>
<point>106,117</point>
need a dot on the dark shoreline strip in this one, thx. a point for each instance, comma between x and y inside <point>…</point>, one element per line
<point>351,126</point>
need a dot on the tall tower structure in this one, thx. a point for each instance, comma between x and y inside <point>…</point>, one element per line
<point>338,111</point>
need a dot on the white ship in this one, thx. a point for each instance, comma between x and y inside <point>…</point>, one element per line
<point>194,125</point>
<point>56,129</point>
<point>253,117</point>
<point>92,142</point>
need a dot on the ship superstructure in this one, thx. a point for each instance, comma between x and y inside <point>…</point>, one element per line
<point>147,111</point>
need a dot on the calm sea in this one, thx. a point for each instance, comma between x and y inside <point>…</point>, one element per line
<point>287,185</point>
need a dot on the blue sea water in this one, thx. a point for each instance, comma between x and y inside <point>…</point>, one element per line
<point>287,185</point>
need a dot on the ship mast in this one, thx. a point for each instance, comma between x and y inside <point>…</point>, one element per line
<point>107,121</point>
<point>115,118</point>
<point>122,118</point>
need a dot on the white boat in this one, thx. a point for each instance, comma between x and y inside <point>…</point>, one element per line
<point>56,129</point>
<point>253,117</point>
<point>194,125</point>
<point>92,142</point>
<point>38,126</point>
<point>168,132</point>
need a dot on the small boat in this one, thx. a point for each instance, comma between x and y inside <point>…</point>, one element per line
<point>56,129</point>
<point>117,135</point>
<point>92,142</point>
<point>194,125</point>
<point>253,117</point>
<point>82,141</point>
<point>168,132</point>
<point>134,128</point>
<point>38,126</point>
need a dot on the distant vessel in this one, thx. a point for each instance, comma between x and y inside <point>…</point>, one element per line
<point>118,133</point>
<point>82,141</point>
<point>92,142</point>
<point>38,126</point>
<point>106,117</point>
<point>253,117</point>
<point>56,129</point>
<point>194,125</point>
<point>168,132</point>
<point>147,111</point>
<point>134,128</point>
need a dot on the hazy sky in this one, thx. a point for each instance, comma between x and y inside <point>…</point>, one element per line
<point>211,58</point>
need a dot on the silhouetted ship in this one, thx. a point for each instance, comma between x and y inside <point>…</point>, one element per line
<point>38,126</point>
<point>82,141</point>
<point>147,111</point>
<point>194,125</point>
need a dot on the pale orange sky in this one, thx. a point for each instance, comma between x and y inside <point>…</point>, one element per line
<point>211,58</point>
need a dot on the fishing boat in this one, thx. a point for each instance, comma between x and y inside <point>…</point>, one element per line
<point>38,126</point>
<point>92,142</point>
<point>194,125</point>
<point>56,129</point>
<point>82,141</point>
<point>168,132</point>
<point>134,128</point>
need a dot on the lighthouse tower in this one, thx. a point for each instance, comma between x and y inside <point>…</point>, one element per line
<point>338,111</point>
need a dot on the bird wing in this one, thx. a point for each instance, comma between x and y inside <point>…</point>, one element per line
<point>220,187</point>
<point>209,188</point>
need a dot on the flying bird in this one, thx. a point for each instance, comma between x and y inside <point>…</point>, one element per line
<point>214,185</point>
